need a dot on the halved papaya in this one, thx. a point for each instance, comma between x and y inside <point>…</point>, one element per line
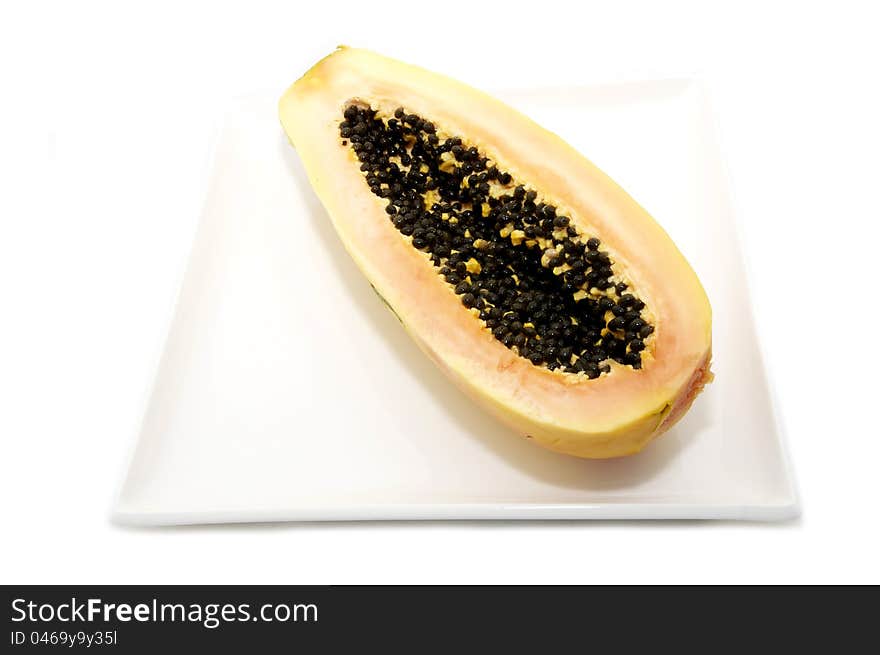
<point>532,279</point>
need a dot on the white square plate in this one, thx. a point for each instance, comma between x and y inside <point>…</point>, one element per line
<point>288,392</point>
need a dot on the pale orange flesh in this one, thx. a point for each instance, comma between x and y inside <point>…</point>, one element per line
<point>615,414</point>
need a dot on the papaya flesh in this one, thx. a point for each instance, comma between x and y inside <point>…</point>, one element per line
<point>534,281</point>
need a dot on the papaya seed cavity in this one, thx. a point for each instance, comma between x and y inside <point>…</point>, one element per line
<point>541,287</point>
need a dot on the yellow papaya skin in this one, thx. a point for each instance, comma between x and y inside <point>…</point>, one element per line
<point>614,415</point>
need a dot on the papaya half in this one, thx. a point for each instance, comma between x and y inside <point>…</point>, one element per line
<point>533,280</point>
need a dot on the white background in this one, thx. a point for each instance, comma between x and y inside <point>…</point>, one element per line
<point>107,113</point>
